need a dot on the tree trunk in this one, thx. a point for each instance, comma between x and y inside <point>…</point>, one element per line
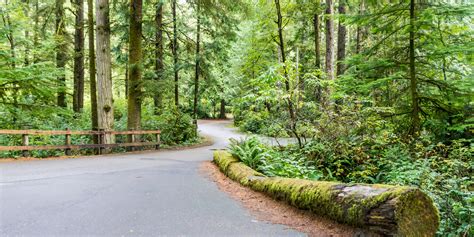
<point>329,40</point>
<point>196,73</point>
<point>61,49</point>
<point>285,72</point>
<point>92,71</point>
<point>341,39</point>
<point>8,25</point>
<point>380,210</point>
<point>27,33</point>
<point>78,95</point>
<point>175,55</point>
<point>415,116</point>
<point>359,30</point>
<point>135,64</point>
<point>105,109</point>
<point>222,110</point>
<point>35,33</point>
<point>158,97</point>
<point>317,40</point>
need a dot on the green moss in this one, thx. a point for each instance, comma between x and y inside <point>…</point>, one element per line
<point>416,203</point>
<point>347,203</point>
<point>233,168</point>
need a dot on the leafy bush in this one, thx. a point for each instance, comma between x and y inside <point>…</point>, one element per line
<point>443,172</point>
<point>250,151</point>
<point>271,162</point>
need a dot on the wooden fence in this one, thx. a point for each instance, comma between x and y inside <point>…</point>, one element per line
<point>67,147</point>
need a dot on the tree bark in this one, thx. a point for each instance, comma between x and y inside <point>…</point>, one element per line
<point>27,33</point>
<point>135,64</point>
<point>105,110</point>
<point>329,40</point>
<point>175,55</point>
<point>8,25</point>
<point>222,110</point>
<point>197,69</point>
<point>78,95</point>
<point>360,30</point>
<point>415,115</point>
<point>158,97</point>
<point>317,40</point>
<point>281,44</point>
<point>92,70</point>
<point>382,210</point>
<point>35,33</point>
<point>61,49</point>
<point>341,40</point>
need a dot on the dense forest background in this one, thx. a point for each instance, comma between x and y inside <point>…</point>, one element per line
<point>372,91</point>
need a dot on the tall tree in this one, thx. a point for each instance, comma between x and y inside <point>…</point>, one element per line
<point>135,66</point>
<point>341,39</point>
<point>26,10</point>
<point>360,29</point>
<point>198,58</point>
<point>415,113</point>
<point>78,94</point>
<point>329,40</point>
<point>281,44</point>
<point>92,70</point>
<point>36,32</point>
<point>11,39</point>
<point>61,49</point>
<point>105,109</point>
<point>159,66</point>
<point>317,40</point>
<point>175,55</point>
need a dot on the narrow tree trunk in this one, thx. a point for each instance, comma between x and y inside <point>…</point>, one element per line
<point>285,72</point>
<point>329,40</point>
<point>222,110</point>
<point>78,95</point>
<point>105,110</point>
<point>158,97</point>
<point>175,55</point>
<point>35,33</point>
<point>8,25</point>
<point>359,30</point>
<point>341,39</point>
<point>415,116</point>
<point>92,71</point>
<point>196,73</point>
<point>27,33</point>
<point>61,49</point>
<point>317,40</point>
<point>135,63</point>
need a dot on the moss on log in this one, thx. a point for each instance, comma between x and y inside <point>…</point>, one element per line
<point>385,209</point>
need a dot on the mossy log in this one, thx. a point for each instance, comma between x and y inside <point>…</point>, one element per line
<point>384,209</point>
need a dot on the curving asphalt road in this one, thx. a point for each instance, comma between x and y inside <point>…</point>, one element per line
<point>142,194</point>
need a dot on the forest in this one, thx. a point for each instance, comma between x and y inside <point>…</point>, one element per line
<point>370,91</point>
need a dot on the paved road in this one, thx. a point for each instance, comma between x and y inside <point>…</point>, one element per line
<point>147,194</point>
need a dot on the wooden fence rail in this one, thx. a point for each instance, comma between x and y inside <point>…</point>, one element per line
<point>67,147</point>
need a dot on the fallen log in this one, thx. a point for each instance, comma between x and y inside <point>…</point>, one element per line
<point>384,209</point>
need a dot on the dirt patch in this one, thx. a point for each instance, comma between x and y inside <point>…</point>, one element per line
<point>264,208</point>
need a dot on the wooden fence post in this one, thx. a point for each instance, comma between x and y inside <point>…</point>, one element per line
<point>67,151</point>
<point>131,139</point>
<point>157,146</point>
<point>101,140</point>
<point>25,142</point>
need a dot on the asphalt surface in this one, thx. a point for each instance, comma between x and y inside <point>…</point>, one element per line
<point>141,194</point>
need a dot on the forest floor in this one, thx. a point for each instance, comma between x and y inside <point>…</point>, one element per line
<point>145,193</point>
